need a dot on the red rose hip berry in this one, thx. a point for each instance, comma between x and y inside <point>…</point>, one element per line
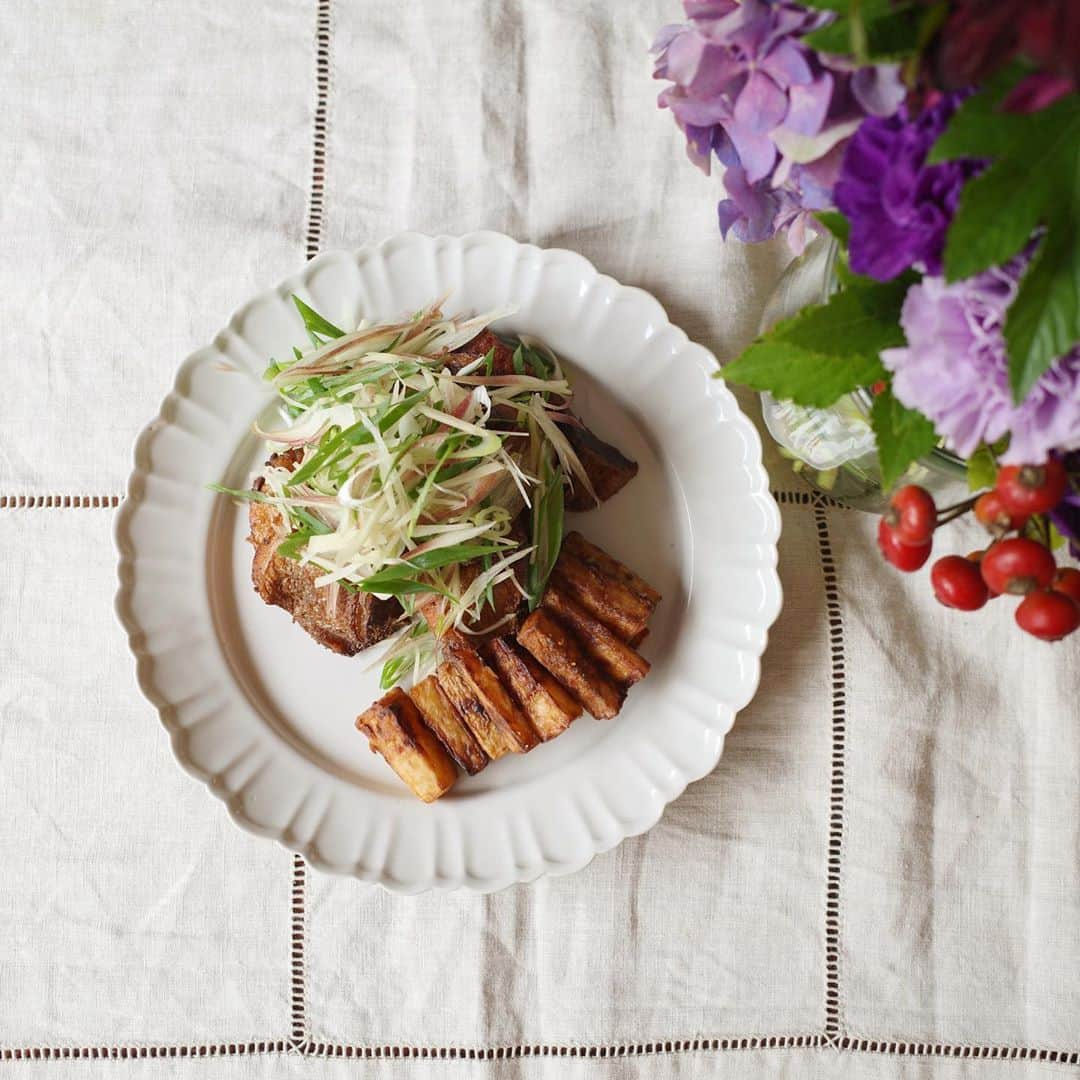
<point>1031,489</point>
<point>958,583</point>
<point>995,517</point>
<point>1067,581</point>
<point>912,515</point>
<point>906,557</point>
<point>1048,615</point>
<point>1017,565</point>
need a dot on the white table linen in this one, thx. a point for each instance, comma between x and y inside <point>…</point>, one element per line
<point>881,878</point>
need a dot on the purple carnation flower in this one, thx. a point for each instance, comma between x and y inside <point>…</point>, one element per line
<point>954,370</point>
<point>1066,515</point>
<point>747,90</point>
<point>900,207</point>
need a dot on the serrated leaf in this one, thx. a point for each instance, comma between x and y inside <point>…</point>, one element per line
<point>796,374</point>
<point>997,213</point>
<point>981,469</point>
<point>834,38</point>
<point>1043,322</point>
<point>1023,188</point>
<point>903,436</point>
<point>863,318</point>
<point>836,223</point>
<point>978,129</point>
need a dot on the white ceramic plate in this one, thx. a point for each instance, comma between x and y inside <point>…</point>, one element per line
<point>265,716</point>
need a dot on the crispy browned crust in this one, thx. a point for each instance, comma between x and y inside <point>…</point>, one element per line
<point>549,707</point>
<point>396,730</point>
<point>556,648</point>
<point>502,361</point>
<point>609,591</point>
<point>440,715</point>
<point>608,469</point>
<point>498,703</point>
<point>493,737</point>
<point>355,622</point>
<point>614,656</point>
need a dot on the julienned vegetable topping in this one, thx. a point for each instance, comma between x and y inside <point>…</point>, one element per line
<point>424,461</point>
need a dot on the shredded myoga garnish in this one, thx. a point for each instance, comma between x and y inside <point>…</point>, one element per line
<point>409,470</point>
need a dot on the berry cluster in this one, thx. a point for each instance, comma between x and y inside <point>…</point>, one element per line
<point>1020,564</point>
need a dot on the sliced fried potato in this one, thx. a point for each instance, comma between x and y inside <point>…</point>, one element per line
<point>549,707</point>
<point>396,730</point>
<point>576,545</point>
<point>558,650</point>
<point>440,715</point>
<point>493,738</point>
<point>611,653</point>
<point>497,701</point>
<point>606,589</point>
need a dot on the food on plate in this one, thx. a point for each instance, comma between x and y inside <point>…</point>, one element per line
<point>440,715</point>
<point>519,690</point>
<point>345,622</point>
<point>549,707</point>
<point>416,489</point>
<point>395,728</point>
<point>607,590</point>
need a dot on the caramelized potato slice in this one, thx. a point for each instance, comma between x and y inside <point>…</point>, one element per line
<point>549,707</point>
<point>496,699</point>
<point>576,545</point>
<point>492,737</point>
<point>440,715</point>
<point>606,589</point>
<point>396,730</point>
<point>557,649</point>
<point>619,660</point>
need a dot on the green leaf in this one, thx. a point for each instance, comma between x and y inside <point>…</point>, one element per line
<point>392,671</point>
<point>800,375</point>
<point>1043,322</point>
<point>834,38</point>
<point>290,547</point>
<point>903,436</point>
<point>489,361</point>
<point>978,128</point>
<point>827,350</point>
<point>314,322</point>
<point>519,360</point>
<point>981,469</point>
<point>397,584</point>
<point>247,495</point>
<point>836,223</point>
<point>1032,182</point>
<point>456,553</point>
<point>309,521</point>
<point>997,213</point>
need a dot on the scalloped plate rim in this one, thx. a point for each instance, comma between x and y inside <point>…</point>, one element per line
<point>724,719</point>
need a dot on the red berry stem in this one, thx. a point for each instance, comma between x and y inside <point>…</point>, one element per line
<point>951,513</point>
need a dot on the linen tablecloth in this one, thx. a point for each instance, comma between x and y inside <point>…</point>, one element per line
<point>880,879</point>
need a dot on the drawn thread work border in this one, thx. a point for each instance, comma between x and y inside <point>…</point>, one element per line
<point>300,1042</point>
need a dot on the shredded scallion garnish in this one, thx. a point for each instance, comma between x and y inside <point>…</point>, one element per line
<point>406,478</point>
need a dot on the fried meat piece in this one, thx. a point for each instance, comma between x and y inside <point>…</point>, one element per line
<point>608,469</point>
<point>396,730</point>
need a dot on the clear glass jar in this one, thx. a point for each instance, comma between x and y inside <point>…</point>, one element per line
<point>833,449</point>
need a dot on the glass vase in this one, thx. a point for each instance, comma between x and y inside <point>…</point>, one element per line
<point>833,449</point>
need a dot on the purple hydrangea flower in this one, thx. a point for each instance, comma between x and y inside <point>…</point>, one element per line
<point>900,207</point>
<point>1066,515</point>
<point>954,370</point>
<point>747,90</point>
